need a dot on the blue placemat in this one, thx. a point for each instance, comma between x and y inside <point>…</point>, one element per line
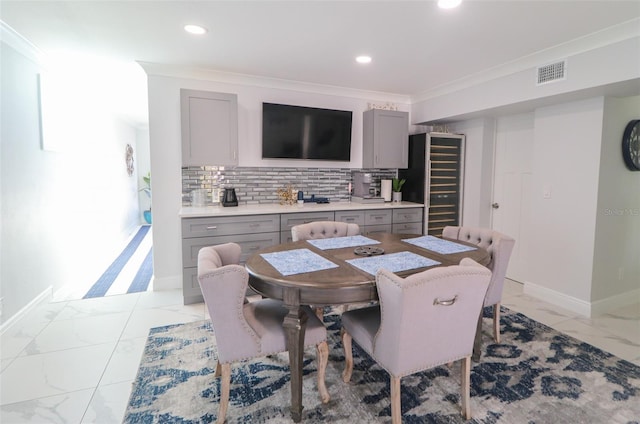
<point>340,242</point>
<point>297,261</point>
<point>438,245</point>
<point>394,262</point>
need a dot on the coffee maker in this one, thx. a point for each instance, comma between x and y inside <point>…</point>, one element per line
<point>229,197</point>
<point>363,191</point>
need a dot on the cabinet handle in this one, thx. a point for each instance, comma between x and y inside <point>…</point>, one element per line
<point>254,248</point>
<point>235,153</point>
<point>254,225</point>
<point>213,227</point>
<point>349,219</point>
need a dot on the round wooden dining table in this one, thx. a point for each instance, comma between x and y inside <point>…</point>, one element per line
<point>340,285</point>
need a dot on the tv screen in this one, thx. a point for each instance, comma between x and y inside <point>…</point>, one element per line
<point>296,132</point>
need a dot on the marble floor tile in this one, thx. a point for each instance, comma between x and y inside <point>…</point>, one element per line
<point>78,332</point>
<point>144,319</point>
<point>538,310</point>
<point>109,403</point>
<point>14,339</point>
<point>160,298</point>
<point>54,373</point>
<point>125,361</point>
<point>98,306</point>
<point>581,330</point>
<point>60,409</point>
<point>621,326</point>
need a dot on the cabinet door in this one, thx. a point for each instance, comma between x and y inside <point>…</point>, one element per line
<point>385,139</point>
<point>209,128</point>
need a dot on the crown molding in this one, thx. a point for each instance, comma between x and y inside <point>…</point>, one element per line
<point>608,36</point>
<point>176,71</point>
<point>23,46</point>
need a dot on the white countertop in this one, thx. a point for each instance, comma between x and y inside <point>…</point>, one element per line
<point>195,212</point>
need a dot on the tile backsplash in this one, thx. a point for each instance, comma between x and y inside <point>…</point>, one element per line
<point>258,185</point>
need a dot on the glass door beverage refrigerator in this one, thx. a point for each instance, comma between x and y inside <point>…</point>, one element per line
<point>435,177</point>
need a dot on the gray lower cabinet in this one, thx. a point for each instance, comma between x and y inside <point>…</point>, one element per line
<point>407,221</point>
<point>289,220</point>
<point>252,233</point>
<point>255,232</point>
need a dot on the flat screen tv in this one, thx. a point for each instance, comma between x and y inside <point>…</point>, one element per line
<point>297,132</point>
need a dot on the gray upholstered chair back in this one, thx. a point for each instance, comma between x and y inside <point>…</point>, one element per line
<point>499,246</point>
<point>224,284</point>
<point>416,331</point>
<point>423,321</point>
<point>323,229</point>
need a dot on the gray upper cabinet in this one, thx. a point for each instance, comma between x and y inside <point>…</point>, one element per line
<point>385,139</point>
<point>209,128</point>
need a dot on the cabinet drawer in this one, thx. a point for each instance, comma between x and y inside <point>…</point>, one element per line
<point>288,220</point>
<point>351,217</point>
<point>249,243</point>
<point>376,217</point>
<point>227,225</point>
<point>407,228</point>
<point>373,229</point>
<point>407,215</point>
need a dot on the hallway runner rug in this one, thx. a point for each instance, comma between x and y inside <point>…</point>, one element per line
<point>536,375</point>
<point>141,279</point>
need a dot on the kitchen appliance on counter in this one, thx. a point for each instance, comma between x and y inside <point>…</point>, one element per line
<point>229,197</point>
<point>362,190</point>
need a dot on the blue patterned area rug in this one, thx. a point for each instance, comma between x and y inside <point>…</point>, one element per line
<point>535,376</point>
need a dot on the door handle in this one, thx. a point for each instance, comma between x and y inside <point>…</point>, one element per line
<point>495,205</point>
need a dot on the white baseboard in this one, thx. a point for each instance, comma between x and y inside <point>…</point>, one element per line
<point>584,308</point>
<point>167,283</point>
<point>45,296</point>
<point>559,299</point>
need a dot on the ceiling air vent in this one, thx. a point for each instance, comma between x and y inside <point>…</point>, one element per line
<point>552,72</point>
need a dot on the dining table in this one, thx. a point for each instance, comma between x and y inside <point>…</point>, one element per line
<point>341,271</point>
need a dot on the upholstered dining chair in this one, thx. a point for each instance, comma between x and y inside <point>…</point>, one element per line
<point>499,246</point>
<point>323,229</point>
<point>422,321</point>
<point>246,330</point>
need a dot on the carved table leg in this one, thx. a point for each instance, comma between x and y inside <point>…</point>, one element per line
<point>294,328</point>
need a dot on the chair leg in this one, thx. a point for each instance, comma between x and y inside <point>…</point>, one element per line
<point>225,388</point>
<point>465,388</point>
<point>348,356</point>
<point>496,322</point>
<point>323,360</point>
<point>218,370</point>
<point>396,411</point>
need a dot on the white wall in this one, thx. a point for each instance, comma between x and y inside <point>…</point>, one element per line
<point>566,162</point>
<point>64,213</point>
<point>164,132</point>
<point>616,264</point>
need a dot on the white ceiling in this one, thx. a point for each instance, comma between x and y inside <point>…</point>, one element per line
<point>415,46</point>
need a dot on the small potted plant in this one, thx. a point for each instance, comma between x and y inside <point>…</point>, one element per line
<point>147,190</point>
<point>396,186</point>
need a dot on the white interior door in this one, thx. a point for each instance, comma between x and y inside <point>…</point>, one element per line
<point>512,188</point>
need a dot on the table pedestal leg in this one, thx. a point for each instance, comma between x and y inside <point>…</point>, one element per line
<point>477,342</point>
<point>294,328</point>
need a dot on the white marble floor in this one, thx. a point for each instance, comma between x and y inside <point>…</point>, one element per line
<point>74,361</point>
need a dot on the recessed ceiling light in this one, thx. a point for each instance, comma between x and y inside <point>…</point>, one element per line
<point>448,4</point>
<point>363,59</point>
<point>195,29</point>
